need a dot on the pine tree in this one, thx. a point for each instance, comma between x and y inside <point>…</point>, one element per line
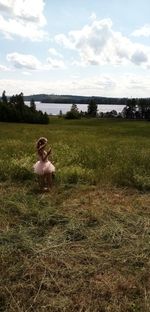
<point>32,105</point>
<point>4,97</point>
<point>92,108</point>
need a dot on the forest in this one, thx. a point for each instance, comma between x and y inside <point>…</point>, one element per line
<point>15,110</point>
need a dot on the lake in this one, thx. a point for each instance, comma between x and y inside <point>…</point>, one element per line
<point>54,108</point>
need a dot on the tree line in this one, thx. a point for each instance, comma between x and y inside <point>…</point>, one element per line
<point>78,99</point>
<point>75,114</point>
<point>15,110</point>
<point>135,108</point>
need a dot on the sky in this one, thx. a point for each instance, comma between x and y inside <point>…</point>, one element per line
<point>78,47</point>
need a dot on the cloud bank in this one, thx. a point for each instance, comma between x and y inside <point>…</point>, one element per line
<point>98,44</point>
<point>124,85</point>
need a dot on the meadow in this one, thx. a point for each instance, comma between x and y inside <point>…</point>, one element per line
<point>85,245</point>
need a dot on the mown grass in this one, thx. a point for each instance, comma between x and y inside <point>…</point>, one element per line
<point>85,245</point>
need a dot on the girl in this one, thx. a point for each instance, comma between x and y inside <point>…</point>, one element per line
<point>43,167</point>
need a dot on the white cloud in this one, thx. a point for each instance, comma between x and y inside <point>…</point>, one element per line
<point>139,57</point>
<point>25,61</point>
<point>143,31</point>
<point>29,10</point>
<point>4,68</point>
<point>54,63</point>
<point>30,62</point>
<point>98,44</point>
<point>54,60</point>
<point>6,5</point>
<point>93,16</point>
<point>23,18</point>
<point>12,27</point>
<point>53,52</point>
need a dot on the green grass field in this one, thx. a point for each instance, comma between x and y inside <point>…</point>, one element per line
<point>85,245</point>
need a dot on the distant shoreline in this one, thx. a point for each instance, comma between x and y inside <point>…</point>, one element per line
<point>75,99</point>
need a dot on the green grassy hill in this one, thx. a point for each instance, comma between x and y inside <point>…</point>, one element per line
<point>85,245</point>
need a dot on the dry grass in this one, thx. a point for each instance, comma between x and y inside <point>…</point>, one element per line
<point>76,249</point>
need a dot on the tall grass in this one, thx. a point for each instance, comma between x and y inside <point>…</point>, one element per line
<point>84,152</point>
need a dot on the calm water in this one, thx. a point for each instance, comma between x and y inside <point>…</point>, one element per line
<point>54,108</point>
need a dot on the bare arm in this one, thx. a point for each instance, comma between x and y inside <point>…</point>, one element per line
<point>49,151</point>
<point>42,154</point>
<point>46,154</point>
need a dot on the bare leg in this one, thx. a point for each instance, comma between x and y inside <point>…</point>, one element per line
<point>44,182</point>
<point>49,180</point>
<point>41,181</point>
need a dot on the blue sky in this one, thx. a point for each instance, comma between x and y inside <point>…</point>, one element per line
<point>84,47</point>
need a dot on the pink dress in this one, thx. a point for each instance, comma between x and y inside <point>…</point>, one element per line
<point>42,167</point>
